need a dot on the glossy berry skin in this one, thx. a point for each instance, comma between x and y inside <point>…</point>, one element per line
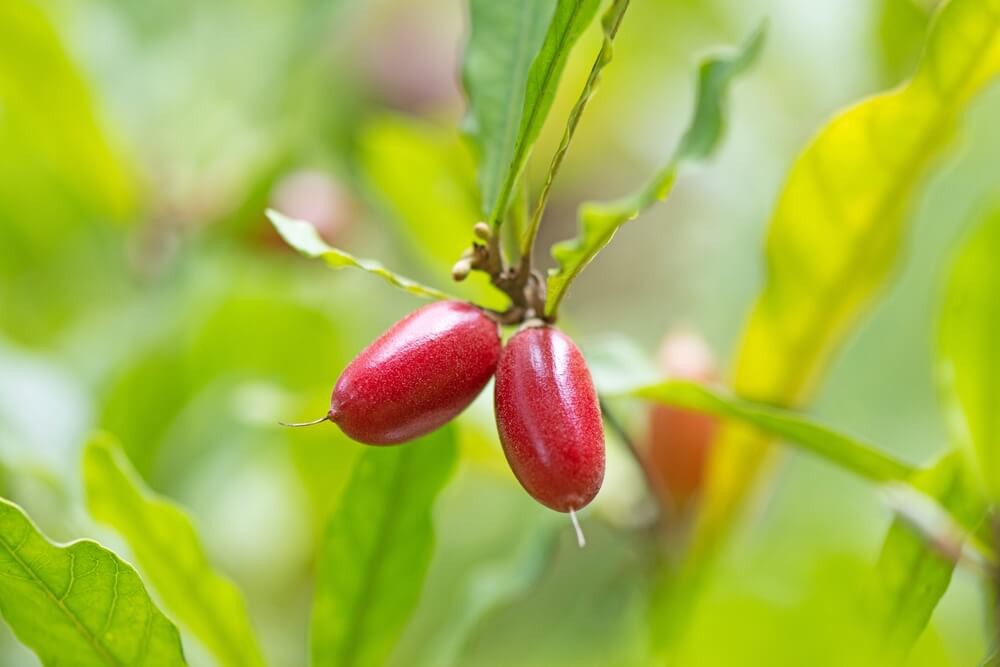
<point>679,441</point>
<point>549,419</point>
<point>418,375</point>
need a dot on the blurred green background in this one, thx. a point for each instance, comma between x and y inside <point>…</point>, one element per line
<point>142,291</point>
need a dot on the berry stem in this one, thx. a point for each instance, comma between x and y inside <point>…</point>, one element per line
<point>581,540</point>
<point>322,419</point>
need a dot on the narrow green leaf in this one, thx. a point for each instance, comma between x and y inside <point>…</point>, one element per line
<point>969,360</point>
<point>836,231</point>
<point>504,40</point>
<point>78,604</point>
<point>377,549</point>
<point>610,23</point>
<point>911,575</point>
<point>600,220</point>
<point>169,551</point>
<point>303,237</point>
<point>853,455</point>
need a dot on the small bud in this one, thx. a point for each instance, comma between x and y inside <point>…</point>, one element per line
<point>482,230</point>
<point>461,270</point>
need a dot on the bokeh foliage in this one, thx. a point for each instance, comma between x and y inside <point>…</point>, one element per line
<point>142,291</point>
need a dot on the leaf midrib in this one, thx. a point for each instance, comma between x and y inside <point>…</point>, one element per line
<point>99,648</point>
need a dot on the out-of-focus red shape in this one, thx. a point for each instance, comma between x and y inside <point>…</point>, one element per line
<point>678,441</point>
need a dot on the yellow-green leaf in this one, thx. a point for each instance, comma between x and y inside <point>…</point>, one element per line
<point>170,554</point>
<point>969,360</point>
<point>598,221</point>
<point>78,604</point>
<point>836,231</point>
<point>303,237</point>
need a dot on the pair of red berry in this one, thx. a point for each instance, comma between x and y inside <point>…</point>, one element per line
<point>431,365</point>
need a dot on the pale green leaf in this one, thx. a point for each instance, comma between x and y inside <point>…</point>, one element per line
<point>912,574</point>
<point>598,221</point>
<point>969,359</point>
<point>846,452</point>
<point>303,237</point>
<point>78,604</point>
<point>376,551</point>
<point>836,230</point>
<point>425,177</point>
<point>170,554</point>
<point>505,38</point>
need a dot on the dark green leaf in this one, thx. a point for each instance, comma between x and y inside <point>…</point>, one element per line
<point>600,220</point>
<point>509,81</point>
<point>376,551</point>
<point>169,551</point>
<point>78,604</point>
<point>570,20</point>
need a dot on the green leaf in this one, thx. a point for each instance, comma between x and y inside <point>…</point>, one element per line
<point>600,220</point>
<point>843,451</point>
<point>303,237</point>
<point>969,361</point>
<point>505,39</point>
<point>911,574</point>
<point>78,604</point>
<point>169,551</point>
<point>836,231</point>
<point>377,549</point>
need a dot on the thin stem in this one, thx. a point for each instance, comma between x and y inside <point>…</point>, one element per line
<point>611,22</point>
<point>322,419</point>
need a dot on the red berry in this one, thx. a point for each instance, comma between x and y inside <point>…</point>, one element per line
<point>679,441</point>
<point>549,419</point>
<point>418,375</point>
